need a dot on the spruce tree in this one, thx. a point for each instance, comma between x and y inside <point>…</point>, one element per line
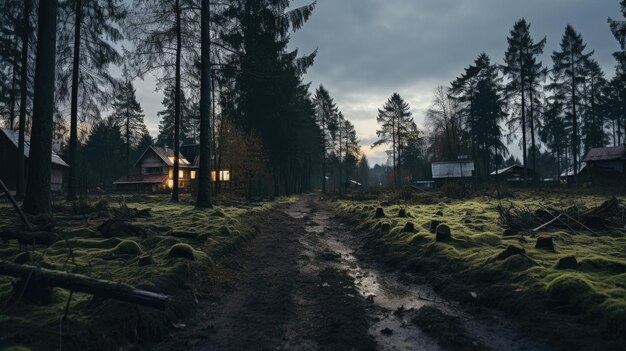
<point>326,116</point>
<point>167,136</point>
<point>395,121</point>
<point>568,75</point>
<point>88,35</point>
<point>128,116</point>
<point>520,65</point>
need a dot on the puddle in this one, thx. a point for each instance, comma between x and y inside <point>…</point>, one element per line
<point>387,293</point>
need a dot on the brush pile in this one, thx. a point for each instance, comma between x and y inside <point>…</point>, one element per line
<point>611,214</point>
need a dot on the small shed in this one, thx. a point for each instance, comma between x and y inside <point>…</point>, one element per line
<point>513,173</point>
<point>9,156</point>
<point>452,169</point>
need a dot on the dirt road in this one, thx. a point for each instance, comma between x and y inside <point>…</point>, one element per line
<point>304,283</point>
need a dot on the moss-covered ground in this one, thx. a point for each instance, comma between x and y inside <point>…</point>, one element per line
<point>176,242</point>
<point>472,267</point>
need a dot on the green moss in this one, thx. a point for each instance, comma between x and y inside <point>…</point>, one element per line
<point>488,239</point>
<point>571,290</point>
<point>182,251</point>
<point>127,247</point>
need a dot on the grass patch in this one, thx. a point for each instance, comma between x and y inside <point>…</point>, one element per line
<point>155,261</point>
<point>501,266</point>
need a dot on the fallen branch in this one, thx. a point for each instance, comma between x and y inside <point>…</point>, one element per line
<point>17,207</point>
<point>81,283</point>
<point>574,220</point>
<point>547,223</point>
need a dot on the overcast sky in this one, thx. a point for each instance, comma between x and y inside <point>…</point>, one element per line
<point>368,49</point>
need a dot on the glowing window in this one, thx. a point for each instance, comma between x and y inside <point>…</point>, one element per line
<point>170,183</point>
<point>224,176</point>
<point>193,174</point>
<point>181,174</point>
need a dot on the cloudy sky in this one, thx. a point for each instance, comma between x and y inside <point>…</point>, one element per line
<point>368,49</point>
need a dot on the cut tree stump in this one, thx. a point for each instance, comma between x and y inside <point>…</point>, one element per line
<point>511,250</point>
<point>433,225</point>
<point>379,213</point>
<point>81,283</point>
<point>567,262</point>
<point>402,213</point>
<point>545,242</point>
<point>443,233</point>
<point>409,227</point>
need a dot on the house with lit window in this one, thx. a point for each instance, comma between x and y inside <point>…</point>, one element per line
<point>156,171</point>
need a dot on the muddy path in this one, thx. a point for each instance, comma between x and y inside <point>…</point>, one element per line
<point>304,283</point>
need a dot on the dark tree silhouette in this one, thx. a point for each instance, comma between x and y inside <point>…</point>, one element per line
<point>37,199</point>
<point>523,70</point>
<point>87,35</point>
<point>23,99</point>
<point>203,199</point>
<point>167,124</point>
<point>568,75</point>
<point>128,116</point>
<point>326,116</point>
<point>395,122</point>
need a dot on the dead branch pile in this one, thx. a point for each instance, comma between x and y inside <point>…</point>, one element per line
<point>610,214</point>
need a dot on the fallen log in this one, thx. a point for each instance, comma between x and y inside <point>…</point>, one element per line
<point>82,283</point>
<point>30,238</point>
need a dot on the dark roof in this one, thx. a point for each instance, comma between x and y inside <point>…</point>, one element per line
<point>146,179</point>
<point>606,154</point>
<point>191,152</point>
<point>13,136</point>
<point>167,156</point>
<point>509,169</point>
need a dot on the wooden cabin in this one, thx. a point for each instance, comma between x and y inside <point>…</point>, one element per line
<point>156,172</point>
<point>605,164</point>
<point>513,174</point>
<point>9,156</point>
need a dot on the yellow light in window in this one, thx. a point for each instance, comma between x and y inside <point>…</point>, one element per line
<point>225,176</point>
<point>193,174</point>
<point>170,184</point>
<point>181,174</point>
<point>170,173</point>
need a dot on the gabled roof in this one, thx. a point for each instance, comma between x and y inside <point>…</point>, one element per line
<point>453,169</point>
<point>570,170</point>
<point>606,154</point>
<point>167,156</point>
<point>509,169</point>
<point>13,137</point>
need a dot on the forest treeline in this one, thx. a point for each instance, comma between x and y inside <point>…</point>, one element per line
<point>555,111</point>
<point>232,85</point>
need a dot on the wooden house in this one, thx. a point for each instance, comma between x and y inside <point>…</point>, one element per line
<point>156,172</point>
<point>452,171</point>
<point>9,156</point>
<point>513,174</point>
<point>608,163</point>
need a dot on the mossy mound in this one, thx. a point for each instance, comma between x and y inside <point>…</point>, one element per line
<point>127,247</point>
<point>182,251</point>
<point>572,291</point>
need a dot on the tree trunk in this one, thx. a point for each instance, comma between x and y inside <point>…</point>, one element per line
<point>73,156</point>
<point>574,118</point>
<point>523,88</point>
<point>177,105</point>
<point>204,172</point>
<point>23,98</point>
<point>532,137</point>
<point>13,95</point>
<point>37,200</point>
<point>81,283</point>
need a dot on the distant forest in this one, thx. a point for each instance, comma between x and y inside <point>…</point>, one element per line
<point>232,85</point>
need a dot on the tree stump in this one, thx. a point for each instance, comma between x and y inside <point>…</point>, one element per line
<point>439,213</point>
<point>402,213</point>
<point>379,213</point>
<point>443,233</point>
<point>433,225</point>
<point>544,242</point>
<point>408,228</point>
<point>567,262</point>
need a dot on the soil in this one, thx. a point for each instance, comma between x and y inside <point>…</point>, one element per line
<point>304,283</point>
